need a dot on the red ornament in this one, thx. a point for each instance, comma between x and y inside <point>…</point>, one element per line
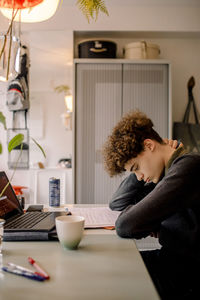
<point>19,4</point>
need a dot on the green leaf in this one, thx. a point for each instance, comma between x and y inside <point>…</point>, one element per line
<point>62,89</point>
<point>90,8</point>
<point>16,141</point>
<point>1,148</point>
<point>39,147</point>
<point>3,119</point>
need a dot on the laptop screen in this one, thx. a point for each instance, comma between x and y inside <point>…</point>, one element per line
<point>9,206</point>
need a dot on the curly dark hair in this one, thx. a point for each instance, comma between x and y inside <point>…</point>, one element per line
<point>126,141</point>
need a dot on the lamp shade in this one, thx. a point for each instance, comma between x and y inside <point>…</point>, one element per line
<point>19,4</point>
<point>43,11</point>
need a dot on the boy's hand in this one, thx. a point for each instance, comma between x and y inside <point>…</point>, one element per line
<point>154,234</point>
<point>172,143</point>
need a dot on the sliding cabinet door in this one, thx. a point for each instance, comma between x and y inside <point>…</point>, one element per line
<point>146,87</point>
<point>98,108</point>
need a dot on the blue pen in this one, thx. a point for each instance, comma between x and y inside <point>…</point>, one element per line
<point>23,273</point>
<point>14,266</point>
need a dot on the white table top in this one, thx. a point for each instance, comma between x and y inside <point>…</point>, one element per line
<point>104,267</point>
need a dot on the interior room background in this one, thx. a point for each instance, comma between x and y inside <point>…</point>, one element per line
<point>172,24</point>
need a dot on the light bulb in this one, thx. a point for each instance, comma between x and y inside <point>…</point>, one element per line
<point>68,102</point>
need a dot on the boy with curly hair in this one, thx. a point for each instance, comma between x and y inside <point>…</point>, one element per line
<point>161,197</point>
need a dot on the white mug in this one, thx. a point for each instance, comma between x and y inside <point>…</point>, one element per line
<point>70,230</point>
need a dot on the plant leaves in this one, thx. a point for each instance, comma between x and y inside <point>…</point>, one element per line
<point>39,147</point>
<point>62,89</point>
<point>3,120</point>
<point>1,148</point>
<point>15,141</point>
<point>90,8</point>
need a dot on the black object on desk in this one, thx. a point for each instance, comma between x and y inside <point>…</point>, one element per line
<point>37,207</point>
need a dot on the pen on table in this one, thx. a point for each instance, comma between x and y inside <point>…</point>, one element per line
<point>38,268</point>
<point>23,273</point>
<point>24,269</point>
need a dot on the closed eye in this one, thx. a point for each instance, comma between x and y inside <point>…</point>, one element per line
<point>134,168</point>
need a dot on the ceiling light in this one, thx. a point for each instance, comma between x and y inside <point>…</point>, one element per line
<point>19,4</point>
<point>39,13</point>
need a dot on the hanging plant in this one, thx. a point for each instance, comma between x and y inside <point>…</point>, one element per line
<point>91,8</point>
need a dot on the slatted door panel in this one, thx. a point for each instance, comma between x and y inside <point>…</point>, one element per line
<point>146,87</point>
<point>98,108</point>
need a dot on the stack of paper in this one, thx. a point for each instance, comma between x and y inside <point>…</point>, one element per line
<point>96,217</point>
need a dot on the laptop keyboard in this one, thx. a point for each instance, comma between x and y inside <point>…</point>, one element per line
<point>27,220</point>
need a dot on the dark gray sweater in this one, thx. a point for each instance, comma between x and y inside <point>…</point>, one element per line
<point>171,208</point>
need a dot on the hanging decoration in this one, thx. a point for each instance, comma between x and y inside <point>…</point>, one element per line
<point>14,6</point>
<point>5,52</point>
<point>37,11</point>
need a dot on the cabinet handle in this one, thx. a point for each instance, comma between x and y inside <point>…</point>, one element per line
<point>98,50</point>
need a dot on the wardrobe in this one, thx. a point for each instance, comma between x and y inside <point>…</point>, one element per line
<point>106,89</point>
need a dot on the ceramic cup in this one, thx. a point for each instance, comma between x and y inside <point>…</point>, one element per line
<point>70,230</point>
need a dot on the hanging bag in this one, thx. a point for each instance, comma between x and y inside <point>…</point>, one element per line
<point>187,132</point>
<point>18,88</point>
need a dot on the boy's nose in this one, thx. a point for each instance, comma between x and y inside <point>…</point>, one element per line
<point>139,176</point>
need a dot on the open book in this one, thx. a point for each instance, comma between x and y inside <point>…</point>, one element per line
<point>96,217</point>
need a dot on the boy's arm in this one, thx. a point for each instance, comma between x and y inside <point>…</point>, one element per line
<point>130,192</point>
<point>171,194</point>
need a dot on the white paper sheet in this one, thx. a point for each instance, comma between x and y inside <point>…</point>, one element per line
<point>96,217</point>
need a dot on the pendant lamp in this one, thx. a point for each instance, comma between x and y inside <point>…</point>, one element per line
<point>19,4</point>
<point>41,12</point>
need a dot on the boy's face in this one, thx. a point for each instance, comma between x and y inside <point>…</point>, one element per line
<point>148,165</point>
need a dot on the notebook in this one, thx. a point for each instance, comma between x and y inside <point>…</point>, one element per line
<point>20,226</point>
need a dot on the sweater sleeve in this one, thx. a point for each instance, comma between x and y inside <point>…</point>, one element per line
<point>129,192</point>
<point>171,194</point>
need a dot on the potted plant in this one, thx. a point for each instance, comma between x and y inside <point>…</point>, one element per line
<point>16,141</point>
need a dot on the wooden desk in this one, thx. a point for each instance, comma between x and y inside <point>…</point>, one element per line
<point>105,267</point>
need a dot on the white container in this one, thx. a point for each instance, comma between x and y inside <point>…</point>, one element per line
<point>141,50</point>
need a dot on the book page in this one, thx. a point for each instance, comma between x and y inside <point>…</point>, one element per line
<point>96,217</point>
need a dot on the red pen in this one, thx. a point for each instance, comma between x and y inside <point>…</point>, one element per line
<point>38,268</point>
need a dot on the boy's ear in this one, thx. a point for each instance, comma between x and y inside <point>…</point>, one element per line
<point>149,144</point>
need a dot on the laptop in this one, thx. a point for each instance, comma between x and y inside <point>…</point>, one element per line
<point>20,226</point>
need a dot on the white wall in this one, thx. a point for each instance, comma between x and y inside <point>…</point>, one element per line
<point>51,49</point>
<point>51,66</point>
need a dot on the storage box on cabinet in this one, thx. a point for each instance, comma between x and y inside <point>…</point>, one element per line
<point>97,49</point>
